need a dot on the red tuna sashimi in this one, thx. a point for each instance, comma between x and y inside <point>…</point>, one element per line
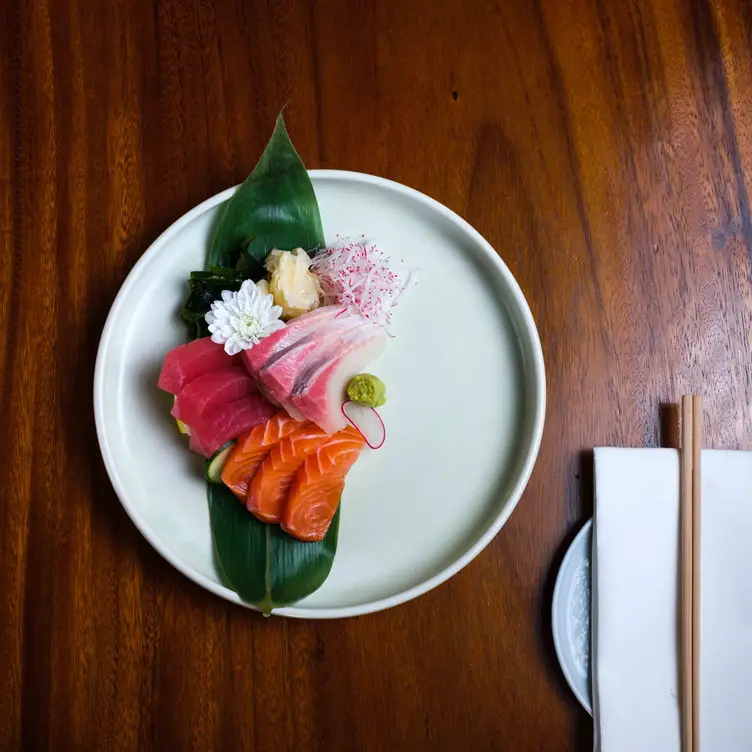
<point>208,391</point>
<point>186,362</point>
<point>320,390</point>
<point>258,355</point>
<point>279,375</point>
<point>228,421</point>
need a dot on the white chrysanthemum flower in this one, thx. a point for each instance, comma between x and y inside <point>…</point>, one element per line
<point>241,319</point>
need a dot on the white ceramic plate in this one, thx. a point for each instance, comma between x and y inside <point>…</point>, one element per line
<point>466,389</point>
<point>570,616</point>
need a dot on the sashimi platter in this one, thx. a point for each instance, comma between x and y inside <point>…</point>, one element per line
<point>320,393</point>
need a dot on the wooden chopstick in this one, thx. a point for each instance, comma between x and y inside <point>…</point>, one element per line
<point>696,560</point>
<point>685,521</point>
<point>690,505</point>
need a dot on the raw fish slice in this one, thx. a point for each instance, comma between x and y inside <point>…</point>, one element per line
<point>321,388</point>
<point>252,449</point>
<point>257,356</point>
<point>186,362</point>
<point>318,485</point>
<point>269,487</point>
<point>280,373</point>
<point>228,421</point>
<point>208,391</point>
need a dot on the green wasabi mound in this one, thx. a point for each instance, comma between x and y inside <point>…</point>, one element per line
<point>368,390</point>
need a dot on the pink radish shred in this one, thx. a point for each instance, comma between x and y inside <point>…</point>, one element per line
<point>362,279</point>
<point>363,419</point>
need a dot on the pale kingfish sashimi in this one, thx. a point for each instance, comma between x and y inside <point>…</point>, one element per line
<point>320,390</point>
<point>280,373</point>
<point>257,356</point>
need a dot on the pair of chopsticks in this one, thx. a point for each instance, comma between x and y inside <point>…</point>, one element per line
<point>691,432</point>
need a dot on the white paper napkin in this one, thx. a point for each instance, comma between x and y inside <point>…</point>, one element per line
<point>636,688</point>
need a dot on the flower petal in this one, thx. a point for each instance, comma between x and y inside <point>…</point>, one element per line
<point>241,319</point>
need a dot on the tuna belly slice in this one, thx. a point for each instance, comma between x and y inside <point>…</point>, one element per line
<point>210,390</point>
<point>187,362</point>
<point>281,373</point>
<point>228,421</point>
<point>321,388</point>
<point>257,356</point>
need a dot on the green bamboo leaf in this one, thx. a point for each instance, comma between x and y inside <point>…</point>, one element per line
<point>276,207</point>
<point>262,564</point>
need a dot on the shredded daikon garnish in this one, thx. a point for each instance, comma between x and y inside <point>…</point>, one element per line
<point>361,278</point>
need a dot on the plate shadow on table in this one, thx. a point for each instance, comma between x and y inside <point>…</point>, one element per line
<point>583,726</point>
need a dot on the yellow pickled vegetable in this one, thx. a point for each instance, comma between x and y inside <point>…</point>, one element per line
<point>294,287</point>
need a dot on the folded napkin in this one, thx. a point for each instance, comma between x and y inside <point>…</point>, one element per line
<point>636,621</point>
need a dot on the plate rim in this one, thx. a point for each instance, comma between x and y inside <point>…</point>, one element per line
<point>558,602</point>
<point>536,377</point>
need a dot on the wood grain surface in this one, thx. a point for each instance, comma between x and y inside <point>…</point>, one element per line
<point>604,147</point>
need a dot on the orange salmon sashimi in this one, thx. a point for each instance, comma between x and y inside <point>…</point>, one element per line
<point>270,485</point>
<point>251,450</point>
<point>318,485</point>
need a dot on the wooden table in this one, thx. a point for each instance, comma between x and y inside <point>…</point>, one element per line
<point>604,147</point>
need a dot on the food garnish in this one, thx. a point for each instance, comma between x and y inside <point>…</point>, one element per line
<point>362,278</point>
<point>242,319</point>
<point>295,289</point>
<point>215,464</point>
<point>367,422</point>
<point>367,389</point>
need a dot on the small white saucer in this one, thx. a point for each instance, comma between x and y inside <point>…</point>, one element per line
<point>570,616</point>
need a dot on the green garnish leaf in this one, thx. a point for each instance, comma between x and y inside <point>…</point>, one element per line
<point>276,207</point>
<point>205,288</point>
<point>262,564</point>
